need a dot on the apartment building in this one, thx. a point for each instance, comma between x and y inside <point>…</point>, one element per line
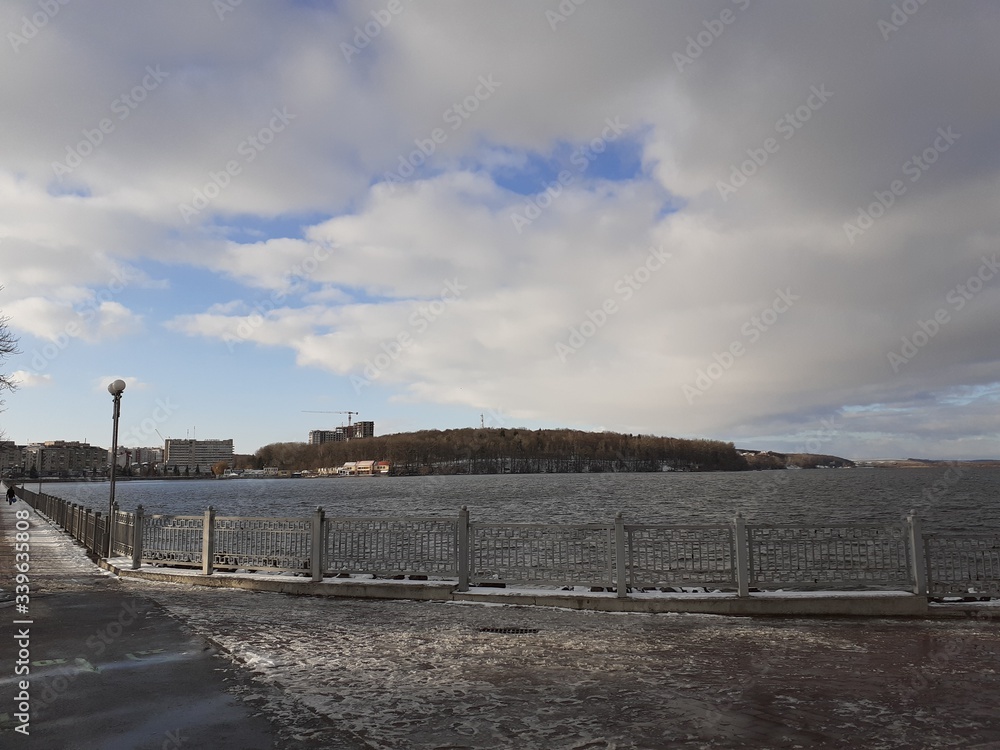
<point>196,455</point>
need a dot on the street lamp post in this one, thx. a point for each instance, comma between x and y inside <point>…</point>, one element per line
<point>115,389</point>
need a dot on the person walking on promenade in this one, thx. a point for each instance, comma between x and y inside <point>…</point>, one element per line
<point>11,497</point>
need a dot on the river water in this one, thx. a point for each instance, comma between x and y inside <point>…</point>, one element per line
<point>948,499</point>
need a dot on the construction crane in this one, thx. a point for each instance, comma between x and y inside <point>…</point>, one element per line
<point>350,432</point>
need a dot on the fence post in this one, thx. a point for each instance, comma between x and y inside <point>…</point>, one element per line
<point>463,548</point>
<point>742,556</point>
<point>88,515</point>
<point>137,539</point>
<point>918,562</point>
<point>98,534</point>
<point>208,543</point>
<point>318,543</point>
<point>112,523</point>
<point>620,566</point>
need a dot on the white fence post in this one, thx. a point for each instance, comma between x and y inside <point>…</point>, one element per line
<point>137,539</point>
<point>742,556</point>
<point>208,542</point>
<point>620,567</point>
<point>918,561</point>
<point>463,548</point>
<point>318,543</point>
<point>112,522</point>
<point>100,533</point>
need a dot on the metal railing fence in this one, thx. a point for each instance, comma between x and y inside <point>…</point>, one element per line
<point>542,553</point>
<point>700,555</point>
<point>173,540</point>
<point>847,556</point>
<point>617,556</point>
<point>396,546</point>
<point>959,566</point>
<point>273,543</point>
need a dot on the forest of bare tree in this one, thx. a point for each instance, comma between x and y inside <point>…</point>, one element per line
<point>507,450</point>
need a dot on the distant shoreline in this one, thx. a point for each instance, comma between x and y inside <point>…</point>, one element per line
<point>887,463</point>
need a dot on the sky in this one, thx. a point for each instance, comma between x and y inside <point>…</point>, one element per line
<point>773,224</point>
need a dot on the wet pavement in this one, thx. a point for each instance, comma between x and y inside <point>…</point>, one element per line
<point>393,674</point>
<point>110,668</point>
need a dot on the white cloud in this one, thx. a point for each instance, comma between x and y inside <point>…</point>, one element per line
<point>91,321</point>
<point>300,244</point>
<point>29,379</point>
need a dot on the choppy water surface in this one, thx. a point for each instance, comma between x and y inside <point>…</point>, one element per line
<point>947,501</point>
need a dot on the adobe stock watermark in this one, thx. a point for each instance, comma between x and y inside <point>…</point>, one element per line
<point>419,320</point>
<point>786,126</point>
<point>455,116</point>
<point>223,8</point>
<point>248,149</point>
<point>751,331</point>
<point>827,432</point>
<point>562,12</point>
<point>581,158</point>
<point>914,168</point>
<point>957,298</point>
<point>122,106</point>
<point>32,25</point>
<point>255,319</point>
<point>87,313</point>
<point>366,33</point>
<point>147,429</point>
<point>625,287</point>
<point>62,678</point>
<point>901,14</point>
<point>959,648</point>
<point>701,41</point>
<point>943,486</point>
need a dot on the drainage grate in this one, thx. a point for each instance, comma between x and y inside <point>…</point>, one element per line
<point>509,631</point>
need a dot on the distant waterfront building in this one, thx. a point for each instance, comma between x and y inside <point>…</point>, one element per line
<point>13,458</point>
<point>147,456</point>
<point>139,456</point>
<point>340,434</point>
<point>67,457</point>
<point>196,454</point>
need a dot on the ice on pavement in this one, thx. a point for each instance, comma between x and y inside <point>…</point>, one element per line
<point>404,674</point>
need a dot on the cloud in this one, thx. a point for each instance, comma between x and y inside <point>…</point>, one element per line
<point>767,152</point>
<point>28,379</point>
<point>91,321</point>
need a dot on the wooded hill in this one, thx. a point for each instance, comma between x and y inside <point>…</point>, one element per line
<point>509,450</point>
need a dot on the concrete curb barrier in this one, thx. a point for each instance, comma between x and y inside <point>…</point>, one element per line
<point>763,604</point>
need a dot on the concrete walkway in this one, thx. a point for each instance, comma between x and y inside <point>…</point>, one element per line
<point>108,668</point>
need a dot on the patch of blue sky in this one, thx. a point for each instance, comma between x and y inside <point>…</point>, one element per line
<point>250,228</point>
<point>58,188</point>
<point>969,394</point>
<point>527,173</point>
<point>190,290</point>
<point>867,408</point>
